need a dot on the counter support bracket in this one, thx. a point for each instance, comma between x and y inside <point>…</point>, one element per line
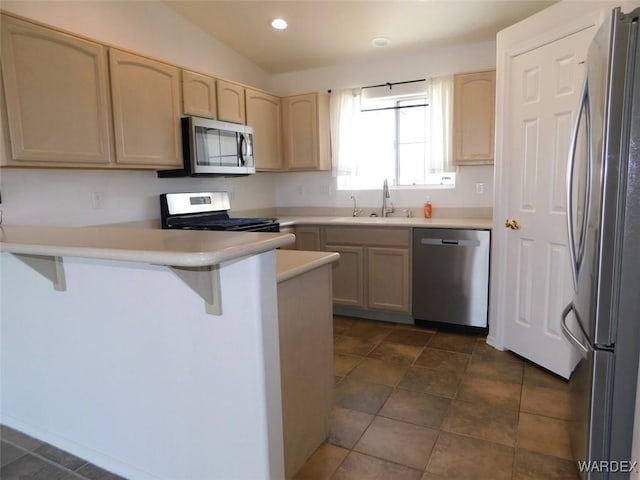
<point>205,281</point>
<point>49,267</point>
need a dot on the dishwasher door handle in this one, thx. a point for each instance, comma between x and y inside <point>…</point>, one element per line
<point>450,243</point>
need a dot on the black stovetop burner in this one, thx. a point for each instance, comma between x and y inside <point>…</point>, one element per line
<point>208,211</point>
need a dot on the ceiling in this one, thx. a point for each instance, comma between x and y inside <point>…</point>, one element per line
<point>330,32</point>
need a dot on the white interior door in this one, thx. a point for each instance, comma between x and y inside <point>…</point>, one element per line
<point>546,91</point>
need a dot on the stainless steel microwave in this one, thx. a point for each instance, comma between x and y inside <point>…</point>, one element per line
<point>211,147</point>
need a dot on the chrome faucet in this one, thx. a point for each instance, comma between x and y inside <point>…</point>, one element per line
<point>385,195</point>
<point>356,210</point>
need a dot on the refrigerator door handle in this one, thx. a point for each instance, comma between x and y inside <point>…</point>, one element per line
<point>575,254</point>
<point>584,350</point>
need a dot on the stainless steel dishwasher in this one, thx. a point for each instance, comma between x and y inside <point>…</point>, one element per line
<point>451,276</point>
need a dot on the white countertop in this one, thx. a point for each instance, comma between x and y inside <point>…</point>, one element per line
<point>414,222</point>
<point>291,263</point>
<point>180,248</point>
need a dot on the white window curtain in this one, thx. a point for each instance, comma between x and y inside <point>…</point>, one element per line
<point>440,94</point>
<point>344,113</point>
<point>348,137</point>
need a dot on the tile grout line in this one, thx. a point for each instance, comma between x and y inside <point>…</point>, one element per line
<point>474,355</point>
<point>47,460</point>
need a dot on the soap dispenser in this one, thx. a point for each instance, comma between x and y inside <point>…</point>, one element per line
<point>428,209</point>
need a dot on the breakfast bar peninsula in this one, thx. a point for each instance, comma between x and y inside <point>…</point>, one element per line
<point>151,353</point>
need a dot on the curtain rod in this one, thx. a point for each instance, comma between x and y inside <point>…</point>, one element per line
<point>390,85</point>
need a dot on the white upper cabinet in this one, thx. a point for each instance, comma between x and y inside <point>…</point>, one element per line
<point>146,110</point>
<point>198,95</point>
<point>57,96</point>
<point>230,102</point>
<point>474,118</point>
<point>305,122</point>
<point>263,115</point>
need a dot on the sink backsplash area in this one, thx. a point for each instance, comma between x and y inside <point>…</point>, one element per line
<point>315,194</point>
<point>417,212</point>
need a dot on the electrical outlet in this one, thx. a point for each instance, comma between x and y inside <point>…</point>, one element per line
<point>97,200</point>
<point>479,188</point>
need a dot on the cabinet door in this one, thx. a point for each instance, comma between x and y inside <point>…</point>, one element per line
<point>305,126</point>
<point>300,125</point>
<point>348,285</point>
<point>263,115</point>
<point>230,102</point>
<point>388,278</point>
<point>474,117</point>
<point>308,238</point>
<point>56,94</point>
<point>146,110</point>
<point>198,95</point>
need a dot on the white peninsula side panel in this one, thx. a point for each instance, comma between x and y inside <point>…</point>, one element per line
<point>127,370</point>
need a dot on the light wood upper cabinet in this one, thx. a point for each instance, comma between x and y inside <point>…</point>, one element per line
<point>230,102</point>
<point>198,95</point>
<point>263,115</point>
<point>57,96</point>
<point>146,110</point>
<point>305,122</point>
<point>474,118</point>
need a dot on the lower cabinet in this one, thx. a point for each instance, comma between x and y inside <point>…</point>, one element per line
<point>388,279</point>
<point>348,275</point>
<point>308,238</point>
<point>374,270</point>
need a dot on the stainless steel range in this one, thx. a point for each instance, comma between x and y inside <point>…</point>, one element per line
<point>207,211</point>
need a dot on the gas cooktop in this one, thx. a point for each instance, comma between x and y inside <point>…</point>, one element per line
<point>207,211</point>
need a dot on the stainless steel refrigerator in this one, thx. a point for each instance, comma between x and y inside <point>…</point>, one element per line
<point>603,320</point>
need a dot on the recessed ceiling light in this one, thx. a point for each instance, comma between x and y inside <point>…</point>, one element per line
<point>279,23</point>
<point>380,42</point>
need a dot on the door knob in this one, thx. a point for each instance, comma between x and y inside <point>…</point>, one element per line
<point>512,224</point>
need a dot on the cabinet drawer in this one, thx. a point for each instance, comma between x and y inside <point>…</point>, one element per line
<point>395,237</point>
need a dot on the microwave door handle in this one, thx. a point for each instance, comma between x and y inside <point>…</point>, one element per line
<point>569,190</point>
<point>241,148</point>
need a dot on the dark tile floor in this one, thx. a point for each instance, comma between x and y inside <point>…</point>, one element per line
<point>421,404</point>
<point>410,403</point>
<point>26,458</point>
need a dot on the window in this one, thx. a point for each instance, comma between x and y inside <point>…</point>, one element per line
<point>403,138</point>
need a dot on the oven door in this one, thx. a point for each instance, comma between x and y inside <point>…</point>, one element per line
<point>220,147</point>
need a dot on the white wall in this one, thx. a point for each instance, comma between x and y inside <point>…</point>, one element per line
<point>66,197</point>
<point>433,62</point>
<point>319,189</point>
